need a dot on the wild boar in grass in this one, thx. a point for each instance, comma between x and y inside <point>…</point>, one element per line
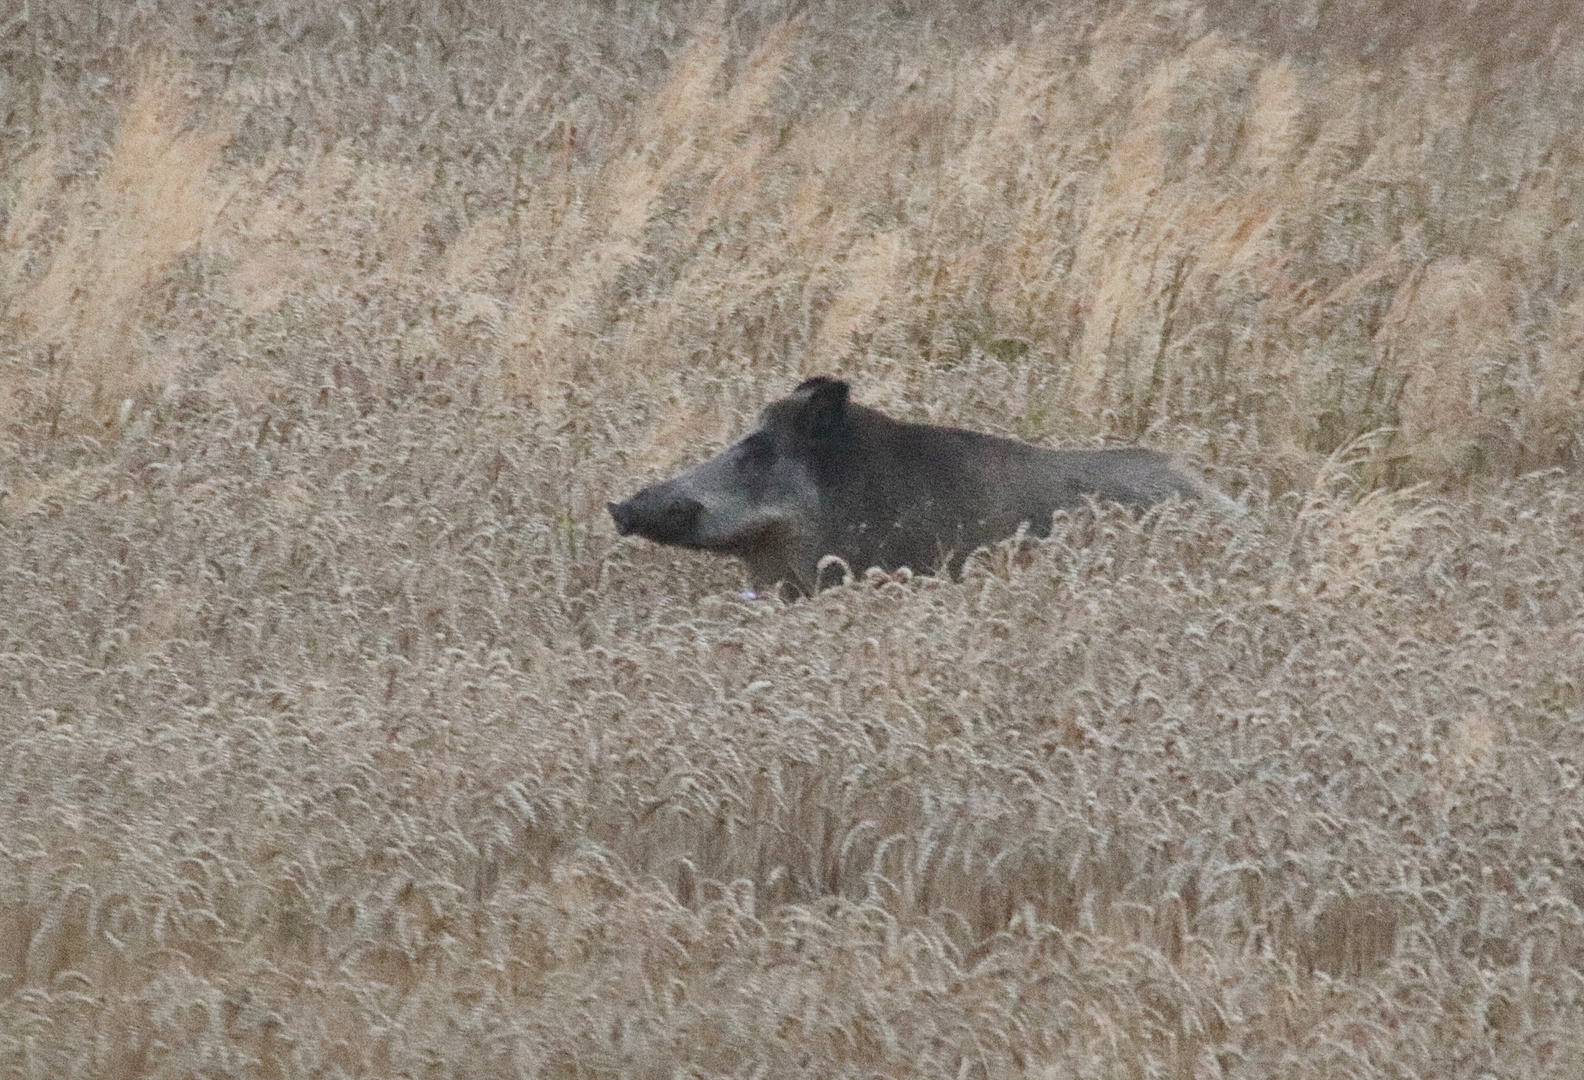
<point>824,476</point>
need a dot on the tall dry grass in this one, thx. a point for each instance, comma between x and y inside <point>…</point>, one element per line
<point>342,737</point>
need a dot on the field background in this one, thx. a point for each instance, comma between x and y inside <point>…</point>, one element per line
<point>340,736</point>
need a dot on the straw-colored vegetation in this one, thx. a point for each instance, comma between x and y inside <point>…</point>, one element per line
<point>340,736</point>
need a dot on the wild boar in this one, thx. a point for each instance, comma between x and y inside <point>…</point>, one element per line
<point>824,476</point>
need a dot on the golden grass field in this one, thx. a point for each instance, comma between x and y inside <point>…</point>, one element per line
<point>340,735</point>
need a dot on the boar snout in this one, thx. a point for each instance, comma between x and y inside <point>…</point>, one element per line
<point>665,520</point>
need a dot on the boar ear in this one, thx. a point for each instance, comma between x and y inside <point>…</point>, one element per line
<point>827,407</point>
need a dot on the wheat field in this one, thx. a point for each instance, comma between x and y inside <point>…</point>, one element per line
<point>341,736</point>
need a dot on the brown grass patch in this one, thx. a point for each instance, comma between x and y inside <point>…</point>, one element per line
<point>152,206</point>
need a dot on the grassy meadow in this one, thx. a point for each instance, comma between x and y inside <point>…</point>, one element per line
<point>341,737</point>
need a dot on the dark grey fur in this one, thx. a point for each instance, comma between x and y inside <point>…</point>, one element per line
<point>822,476</point>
